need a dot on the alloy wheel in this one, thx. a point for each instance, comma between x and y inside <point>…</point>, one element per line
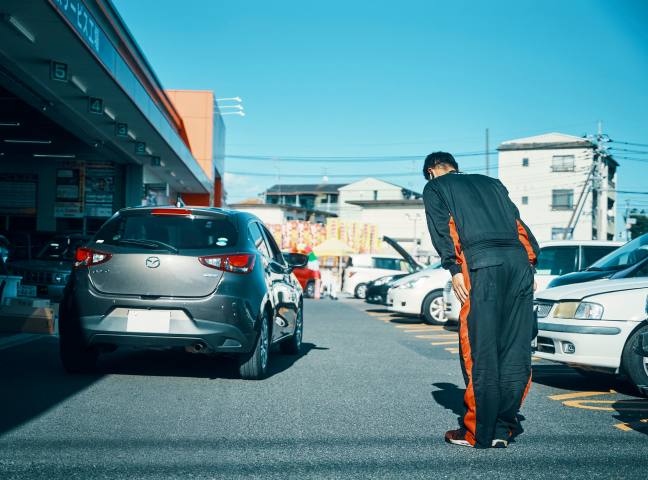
<point>298,331</point>
<point>362,291</point>
<point>436,309</point>
<point>264,344</point>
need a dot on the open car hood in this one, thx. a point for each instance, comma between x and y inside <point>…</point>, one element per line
<point>578,291</point>
<point>408,258</point>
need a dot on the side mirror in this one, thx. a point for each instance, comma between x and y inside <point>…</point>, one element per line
<point>297,260</point>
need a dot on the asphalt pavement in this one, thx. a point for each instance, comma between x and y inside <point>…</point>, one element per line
<point>370,396</point>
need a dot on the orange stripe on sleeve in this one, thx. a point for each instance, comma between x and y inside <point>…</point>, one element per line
<point>455,240</point>
<point>524,238</point>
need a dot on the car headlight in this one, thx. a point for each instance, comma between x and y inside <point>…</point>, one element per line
<point>413,283</point>
<point>382,281</point>
<point>58,278</point>
<point>589,311</point>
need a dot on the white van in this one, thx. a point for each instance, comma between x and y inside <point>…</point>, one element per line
<point>556,258</point>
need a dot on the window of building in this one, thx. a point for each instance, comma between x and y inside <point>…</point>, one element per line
<point>525,200</point>
<point>333,199</point>
<point>525,162</point>
<point>562,199</point>
<point>375,194</point>
<point>563,163</point>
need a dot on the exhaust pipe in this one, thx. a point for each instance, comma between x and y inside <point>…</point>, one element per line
<point>199,347</point>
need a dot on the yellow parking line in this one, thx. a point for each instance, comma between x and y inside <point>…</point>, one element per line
<point>453,350</point>
<point>425,325</point>
<point>376,314</point>
<point>565,396</point>
<point>444,343</point>
<point>633,425</point>
<point>578,404</point>
<point>536,358</point>
<point>452,335</point>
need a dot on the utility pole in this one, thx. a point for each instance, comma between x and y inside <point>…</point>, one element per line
<point>487,153</point>
<point>627,217</point>
<point>601,197</point>
<point>570,228</point>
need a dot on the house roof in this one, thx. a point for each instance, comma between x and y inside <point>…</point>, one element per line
<point>548,141</point>
<point>327,188</point>
<point>406,191</point>
<point>293,208</point>
<point>387,203</point>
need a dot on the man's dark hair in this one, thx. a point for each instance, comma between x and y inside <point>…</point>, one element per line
<point>439,159</point>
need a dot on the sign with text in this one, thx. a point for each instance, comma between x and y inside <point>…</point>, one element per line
<point>122,130</point>
<point>59,71</point>
<point>95,105</point>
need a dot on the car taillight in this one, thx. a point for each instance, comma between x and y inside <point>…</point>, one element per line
<point>235,263</point>
<point>86,257</point>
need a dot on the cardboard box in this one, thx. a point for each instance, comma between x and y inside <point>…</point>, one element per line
<point>27,302</point>
<point>24,319</point>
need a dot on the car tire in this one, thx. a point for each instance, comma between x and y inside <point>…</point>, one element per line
<point>635,366</point>
<point>309,291</point>
<point>254,364</point>
<point>293,344</point>
<point>78,358</point>
<point>433,313</point>
<point>361,291</point>
<point>595,375</point>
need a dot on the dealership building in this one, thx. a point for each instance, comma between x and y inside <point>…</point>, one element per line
<point>86,127</point>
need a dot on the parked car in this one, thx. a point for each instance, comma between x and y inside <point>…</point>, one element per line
<point>421,293</point>
<point>555,258</point>
<point>306,278</point>
<point>625,262</point>
<point>208,280</point>
<point>46,275</point>
<point>365,268</point>
<point>377,289</point>
<point>594,326</point>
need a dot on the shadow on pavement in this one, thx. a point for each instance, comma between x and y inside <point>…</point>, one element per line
<point>32,380</point>
<point>451,397</point>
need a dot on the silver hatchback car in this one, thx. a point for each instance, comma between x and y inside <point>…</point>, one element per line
<point>208,280</point>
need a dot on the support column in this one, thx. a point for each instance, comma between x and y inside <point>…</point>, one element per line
<point>133,185</point>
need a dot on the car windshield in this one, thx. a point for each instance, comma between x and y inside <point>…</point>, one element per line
<point>190,232</point>
<point>625,256</point>
<point>61,248</point>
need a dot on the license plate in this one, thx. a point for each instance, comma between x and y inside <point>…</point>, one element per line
<point>148,321</point>
<point>534,343</point>
<point>27,291</point>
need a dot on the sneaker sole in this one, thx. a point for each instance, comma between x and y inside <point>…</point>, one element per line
<point>463,443</point>
<point>499,444</point>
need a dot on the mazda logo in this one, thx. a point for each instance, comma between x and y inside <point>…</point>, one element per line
<point>152,262</point>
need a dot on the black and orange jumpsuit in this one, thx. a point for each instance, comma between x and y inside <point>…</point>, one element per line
<point>477,231</point>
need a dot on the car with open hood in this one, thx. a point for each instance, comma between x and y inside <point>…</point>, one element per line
<point>366,267</point>
<point>594,327</point>
<point>421,293</point>
<point>628,261</point>
<point>205,280</point>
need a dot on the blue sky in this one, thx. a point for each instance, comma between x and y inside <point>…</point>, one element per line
<point>402,79</point>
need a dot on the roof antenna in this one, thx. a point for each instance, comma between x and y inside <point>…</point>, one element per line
<point>179,202</point>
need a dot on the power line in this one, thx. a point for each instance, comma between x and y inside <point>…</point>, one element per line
<point>345,159</point>
<point>628,143</point>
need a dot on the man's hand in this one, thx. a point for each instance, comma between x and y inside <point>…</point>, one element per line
<point>459,287</point>
<point>535,286</point>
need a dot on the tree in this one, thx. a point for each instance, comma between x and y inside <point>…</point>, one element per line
<point>641,226</point>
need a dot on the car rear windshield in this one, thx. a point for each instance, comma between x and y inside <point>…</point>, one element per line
<point>190,232</point>
<point>625,256</point>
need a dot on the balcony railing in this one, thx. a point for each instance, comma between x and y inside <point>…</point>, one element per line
<point>562,168</point>
<point>563,207</point>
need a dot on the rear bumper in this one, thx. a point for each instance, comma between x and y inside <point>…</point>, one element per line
<point>183,332</point>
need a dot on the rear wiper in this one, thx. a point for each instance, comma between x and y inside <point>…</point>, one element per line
<point>150,244</point>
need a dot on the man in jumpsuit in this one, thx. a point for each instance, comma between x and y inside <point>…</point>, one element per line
<point>491,254</point>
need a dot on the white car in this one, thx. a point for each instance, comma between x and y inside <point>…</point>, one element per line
<point>420,293</point>
<point>556,258</point>
<point>367,267</point>
<point>594,326</point>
